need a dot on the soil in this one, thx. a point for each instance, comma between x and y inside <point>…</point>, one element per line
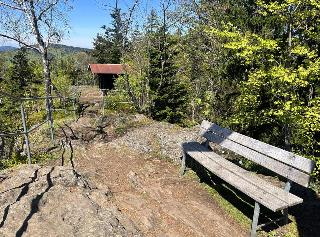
<point>150,192</point>
<point>140,167</point>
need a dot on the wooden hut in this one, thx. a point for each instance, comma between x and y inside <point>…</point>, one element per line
<point>106,74</point>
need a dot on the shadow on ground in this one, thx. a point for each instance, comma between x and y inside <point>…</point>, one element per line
<point>307,214</point>
<point>35,206</point>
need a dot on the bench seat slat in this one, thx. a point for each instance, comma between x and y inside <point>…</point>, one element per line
<point>289,158</point>
<point>261,159</point>
<point>270,196</point>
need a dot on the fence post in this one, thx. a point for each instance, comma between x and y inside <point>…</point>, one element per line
<point>103,101</point>
<point>64,106</point>
<point>25,130</point>
<point>50,116</point>
<point>74,108</point>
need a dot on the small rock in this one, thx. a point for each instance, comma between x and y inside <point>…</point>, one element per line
<point>134,179</point>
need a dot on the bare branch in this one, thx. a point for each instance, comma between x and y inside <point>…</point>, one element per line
<point>11,6</point>
<point>47,9</point>
<point>19,41</point>
<point>129,18</point>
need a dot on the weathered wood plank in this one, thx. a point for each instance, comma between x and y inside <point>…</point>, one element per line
<point>276,153</point>
<point>247,175</point>
<point>274,165</point>
<point>251,186</point>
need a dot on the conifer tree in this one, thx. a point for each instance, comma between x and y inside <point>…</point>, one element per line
<point>16,83</point>
<point>108,46</point>
<point>20,74</point>
<point>170,95</point>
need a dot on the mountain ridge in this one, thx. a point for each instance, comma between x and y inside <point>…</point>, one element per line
<point>6,48</point>
<point>65,48</point>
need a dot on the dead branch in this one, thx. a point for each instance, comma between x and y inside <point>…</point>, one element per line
<point>19,41</point>
<point>10,6</point>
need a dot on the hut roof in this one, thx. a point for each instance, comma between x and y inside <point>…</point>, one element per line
<point>107,68</point>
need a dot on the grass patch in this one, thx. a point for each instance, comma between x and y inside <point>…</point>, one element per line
<point>232,211</point>
<point>289,230</point>
<point>129,122</point>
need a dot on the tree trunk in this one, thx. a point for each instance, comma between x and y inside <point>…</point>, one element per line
<point>2,145</point>
<point>48,88</point>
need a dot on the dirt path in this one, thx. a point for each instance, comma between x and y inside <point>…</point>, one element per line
<point>146,189</point>
<point>151,193</point>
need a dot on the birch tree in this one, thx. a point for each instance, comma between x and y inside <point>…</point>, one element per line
<point>35,24</point>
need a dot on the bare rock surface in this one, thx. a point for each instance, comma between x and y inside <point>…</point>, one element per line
<point>160,138</point>
<point>57,201</point>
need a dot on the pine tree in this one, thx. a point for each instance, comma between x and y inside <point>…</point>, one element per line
<point>170,95</point>
<point>20,75</point>
<point>17,83</point>
<point>108,46</point>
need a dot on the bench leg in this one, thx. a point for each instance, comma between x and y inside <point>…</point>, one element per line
<point>183,162</point>
<point>285,211</point>
<point>255,219</point>
<point>285,216</point>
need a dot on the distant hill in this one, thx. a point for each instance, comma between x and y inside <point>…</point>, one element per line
<point>69,49</point>
<point>60,47</point>
<point>7,48</point>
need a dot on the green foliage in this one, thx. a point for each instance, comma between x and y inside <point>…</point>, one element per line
<point>23,77</point>
<point>170,96</point>
<point>108,46</point>
<point>280,96</point>
<point>170,103</point>
<point>17,82</point>
<point>118,101</point>
<point>152,84</point>
<point>15,159</point>
<point>19,76</point>
<point>101,50</point>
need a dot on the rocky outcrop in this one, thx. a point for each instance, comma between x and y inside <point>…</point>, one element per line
<point>159,138</point>
<point>57,201</point>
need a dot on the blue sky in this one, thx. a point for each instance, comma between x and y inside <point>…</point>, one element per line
<point>88,16</point>
<point>86,20</point>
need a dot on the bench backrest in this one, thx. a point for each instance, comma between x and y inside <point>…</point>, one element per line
<point>291,166</point>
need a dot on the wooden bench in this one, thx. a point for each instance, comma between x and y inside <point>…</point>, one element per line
<point>293,167</point>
